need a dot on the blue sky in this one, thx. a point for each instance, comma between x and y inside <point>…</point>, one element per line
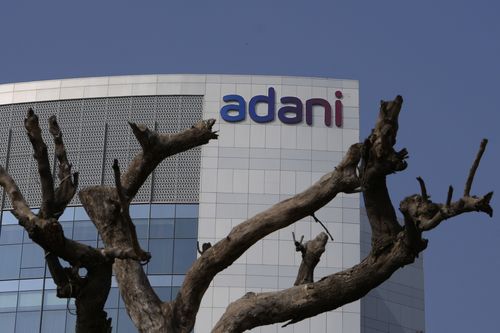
<point>442,56</point>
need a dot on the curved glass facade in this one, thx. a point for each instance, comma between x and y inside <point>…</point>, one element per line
<point>28,301</point>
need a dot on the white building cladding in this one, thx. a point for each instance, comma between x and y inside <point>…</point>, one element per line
<point>251,166</point>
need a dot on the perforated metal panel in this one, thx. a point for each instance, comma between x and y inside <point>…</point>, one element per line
<point>96,132</point>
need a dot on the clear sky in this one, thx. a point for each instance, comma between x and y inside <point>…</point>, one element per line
<point>442,56</point>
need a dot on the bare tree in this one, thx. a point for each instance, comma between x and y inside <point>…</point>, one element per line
<point>364,169</point>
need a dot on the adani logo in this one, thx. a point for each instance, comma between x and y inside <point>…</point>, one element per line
<point>291,112</point>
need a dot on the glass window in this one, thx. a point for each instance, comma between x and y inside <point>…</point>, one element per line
<point>52,302</point>
<point>9,285</point>
<point>141,227</point>
<point>29,300</point>
<point>10,257</point>
<point>33,256</point>
<point>186,211</point>
<point>162,211</point>
<point>54,321</point>
<point>84,230</point>
<point>28,322</point>
<point>113,314</point>
<point>7,322</point>
<point>175,291</point>
<point>30,273</point>
<point>164,293</point>
<point>8,218</point>
<point>139,211</point>
<point>125,325</point>
<point>184,254</point>
<point>186,228</point>
<point>161,261</point>
<point>71,321</point>
<point>11,234</point>
<point>81,214</point>
<point>161,228</point>
<point>68,214</point>
<point>112,301</point>
<point>67,228</point>
<point>8,302</point>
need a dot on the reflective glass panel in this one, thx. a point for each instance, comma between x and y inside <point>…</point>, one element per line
<point>8,301</point>
<point>139,211</point>
<point>141,227</point>
<point>161,261</point>
<point>7,322</point>
<point>70,322</point>
<point>186,228</point>
<point>11,234</point>
<point>68,214</point>
<point>54,321</point>
<point>186,211</point>
<point>8,218</point>
<point>10,257</point>
<point>84,230</point>
<point>30,273</point>
<point>28,322</point>
<point>112,301</point>
<point>33,256</point>
<point>52,302</point>
<point>124,323</point>
<point>162,211</point>
<point>161,228</point>
<point>184,254</point>
<point>164,293</point>
<point>81,214</point>
<point>29,300</point>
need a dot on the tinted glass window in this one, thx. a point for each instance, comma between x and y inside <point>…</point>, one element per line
<point>8,302</point>
<point>84,230</point>
<point>124,323</point>
<point>33,256</point>
<point>162,211</point>
<point>164,293</point>
<point>29,300</point>
<point>54,321</point>
<point>7,321</point>
<point>52,302</point>
<point>11,234</point>
<point>112,301</point>
<point>161,228</point>
<point>186,211</point>
<point>186,228</point>
<point>141,227</point>
<point>8,218</point>
<point>10,257</point>
<point>81,214</point>
<point>68,214</point>
<point>184,254</point>
<point>139,211</point>
<point>161,262</point>
<point>28,322</point>
<point>29,273</point>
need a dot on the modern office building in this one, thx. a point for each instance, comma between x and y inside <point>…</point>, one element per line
<point>278,135</point>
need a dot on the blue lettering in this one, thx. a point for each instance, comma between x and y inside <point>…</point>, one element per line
<point>285,111</point>
<point>270,100</point>
<point>227,111</point>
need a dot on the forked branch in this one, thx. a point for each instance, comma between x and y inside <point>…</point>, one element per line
<point>427,215</point>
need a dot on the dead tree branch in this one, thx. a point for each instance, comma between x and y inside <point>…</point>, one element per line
<point>108,209</point>
<point>393,246</point>
<point>311,253</point>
